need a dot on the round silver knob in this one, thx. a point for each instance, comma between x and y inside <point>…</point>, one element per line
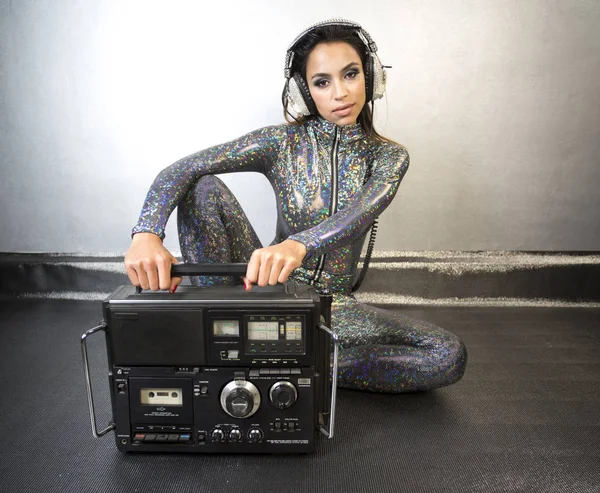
<point>218,435</point>
<point>235,435</point>
<point>254,435</point>
<point>240,399</point>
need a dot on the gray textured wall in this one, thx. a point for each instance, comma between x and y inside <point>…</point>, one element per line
<point>498,102</point>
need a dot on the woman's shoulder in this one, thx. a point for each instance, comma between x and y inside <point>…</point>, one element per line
<point>384,147</point>
<point>275,129</point>
<point>285,130</point>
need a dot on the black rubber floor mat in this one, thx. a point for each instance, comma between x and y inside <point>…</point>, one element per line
<point>524,418</point>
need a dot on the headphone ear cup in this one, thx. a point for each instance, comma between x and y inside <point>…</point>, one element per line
<point>299,84</point>
<point>378,79</point>
<point>296,98</point>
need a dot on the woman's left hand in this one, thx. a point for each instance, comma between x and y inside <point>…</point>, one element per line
<point>274,264</point>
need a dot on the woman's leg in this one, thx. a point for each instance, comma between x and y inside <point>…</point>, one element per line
<point>214,229</point>
<point>385,351</point>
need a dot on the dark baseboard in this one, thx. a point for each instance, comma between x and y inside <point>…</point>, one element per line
<point>462,278</point>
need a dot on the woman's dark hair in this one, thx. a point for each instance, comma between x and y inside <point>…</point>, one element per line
<point>329,34</point>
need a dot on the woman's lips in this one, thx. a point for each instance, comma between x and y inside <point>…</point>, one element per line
<point>344,110</point>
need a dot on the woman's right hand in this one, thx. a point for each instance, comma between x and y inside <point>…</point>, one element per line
<point>148,263</point>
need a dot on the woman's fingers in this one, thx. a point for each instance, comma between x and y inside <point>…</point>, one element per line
<point>285,272</point>
<point>276,269</point>
<point>163,265</point>
<point>253,268</point>
<point>275,263</point>
<point>154,275</point>
<point>132,274</point>
<point>174,281</point>
<point>142,276</point>
<point>148,263</point>
<point>152,271</point>
<point>247,284</point>
<point>262,267</point>
<point>259,267</point>
<point>265,269</point>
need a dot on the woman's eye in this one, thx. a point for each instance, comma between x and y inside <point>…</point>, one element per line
<point>321,83</point>
<point>352,75</point>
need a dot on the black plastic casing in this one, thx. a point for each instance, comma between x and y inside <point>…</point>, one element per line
<point>159,340</point>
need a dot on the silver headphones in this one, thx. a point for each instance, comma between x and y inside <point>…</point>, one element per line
<point>296,89</point>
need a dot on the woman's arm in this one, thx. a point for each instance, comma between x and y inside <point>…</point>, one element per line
<point>147,261</point>
<point>348,224</point>
<point>255,151</point>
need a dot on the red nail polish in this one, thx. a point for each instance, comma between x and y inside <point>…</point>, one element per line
<point>174,289</point>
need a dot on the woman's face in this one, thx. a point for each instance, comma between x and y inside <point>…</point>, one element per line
<point>336,80</point>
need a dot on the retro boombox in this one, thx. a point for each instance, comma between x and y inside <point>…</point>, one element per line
<point>218,369</point>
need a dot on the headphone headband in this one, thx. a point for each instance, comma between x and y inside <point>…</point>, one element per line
<point>364,36</point>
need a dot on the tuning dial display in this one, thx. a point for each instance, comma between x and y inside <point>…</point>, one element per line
<point>240,399</point>
<point>283,395</point>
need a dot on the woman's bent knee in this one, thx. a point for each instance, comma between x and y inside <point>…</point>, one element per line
<point>453,362</point>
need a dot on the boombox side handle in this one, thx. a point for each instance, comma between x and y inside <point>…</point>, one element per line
<point>329,432</point>
<point>88,382</point>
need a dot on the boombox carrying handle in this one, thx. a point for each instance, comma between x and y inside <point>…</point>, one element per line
<point>329,432</point>
<point>88,382</point>
<point>208,269</point>
<point>179,270</point>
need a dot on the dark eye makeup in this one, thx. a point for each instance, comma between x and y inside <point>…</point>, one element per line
<point>323,82</point>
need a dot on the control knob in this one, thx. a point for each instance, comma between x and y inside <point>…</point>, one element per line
<point>240,399</point>
<point>235,435</point>
<point>217,435</point>
<point>283,395</point>
<point>254,435</point>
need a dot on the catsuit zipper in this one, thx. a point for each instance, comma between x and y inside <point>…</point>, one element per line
<point>334,196</point>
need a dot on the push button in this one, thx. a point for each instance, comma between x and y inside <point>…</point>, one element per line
<point>185,437</point>
<point>173,438</point>
<point>150,437</point>
<point>161,438</point>
<point>138,437</point>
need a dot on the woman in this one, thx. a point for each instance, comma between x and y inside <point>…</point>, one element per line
<point>332,175</point>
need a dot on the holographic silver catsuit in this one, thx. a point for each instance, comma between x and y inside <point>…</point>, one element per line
<point>318,172</point>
